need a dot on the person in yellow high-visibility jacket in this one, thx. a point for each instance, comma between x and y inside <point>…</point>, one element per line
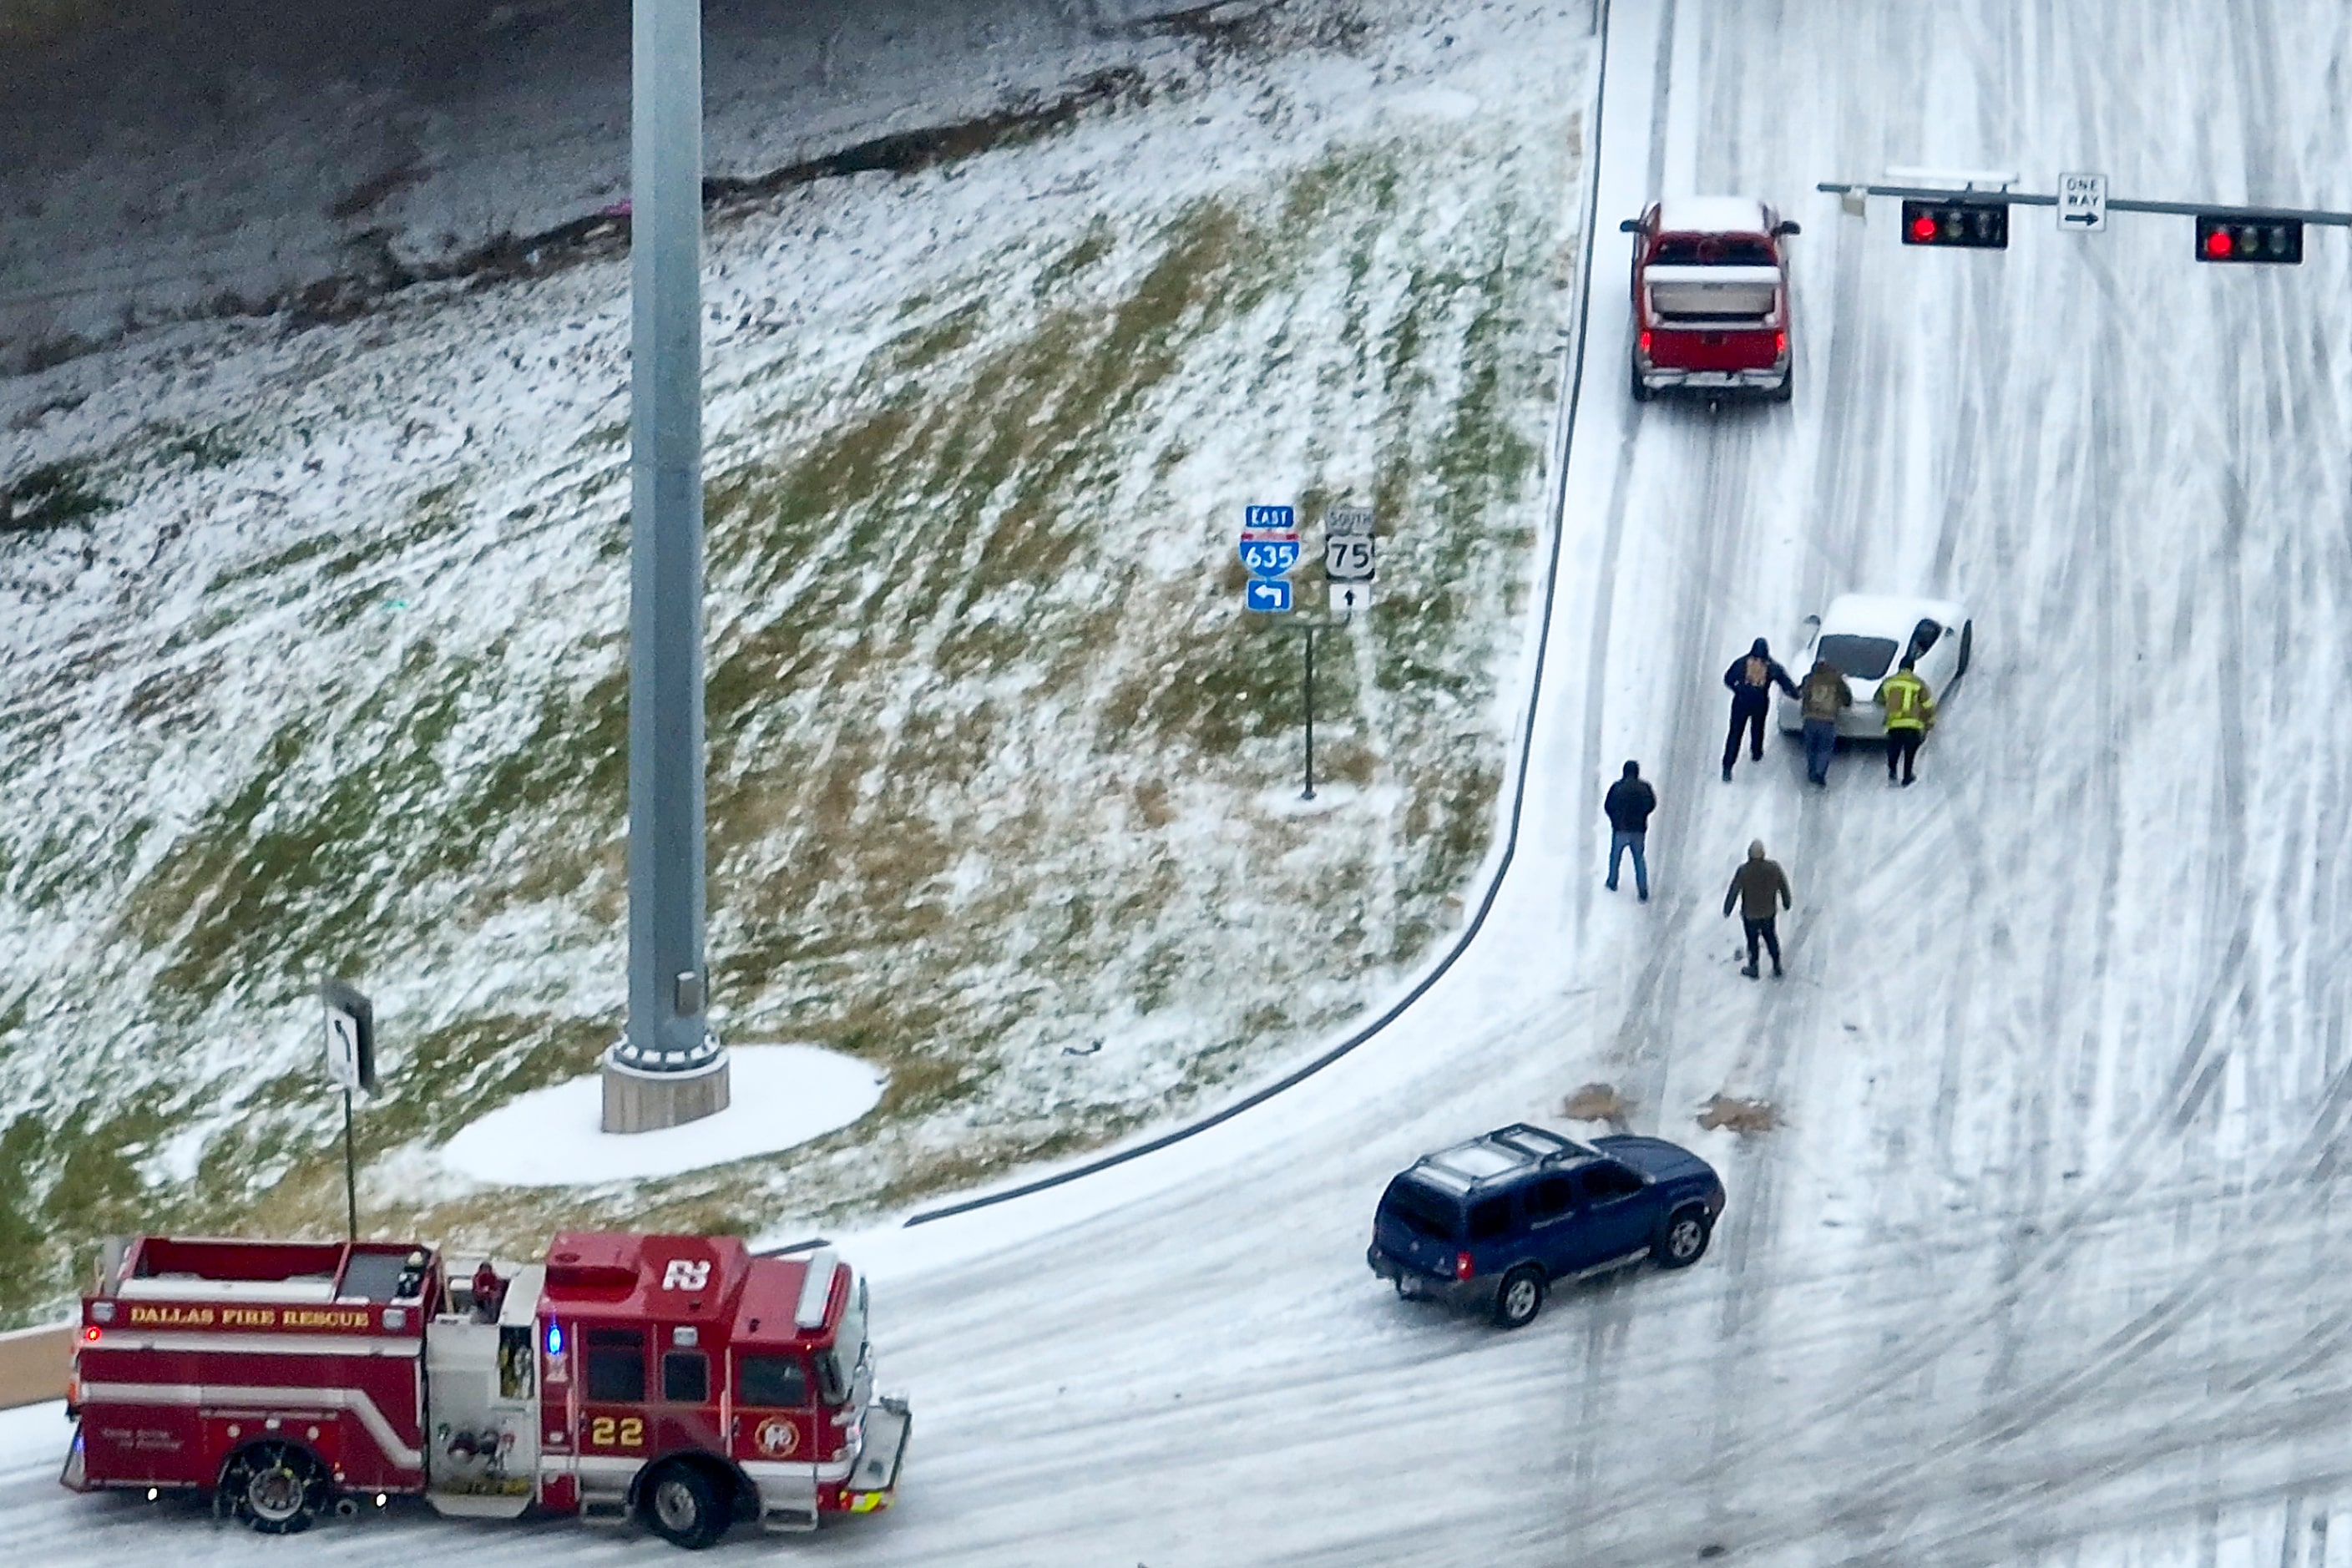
<point>1910,714</point>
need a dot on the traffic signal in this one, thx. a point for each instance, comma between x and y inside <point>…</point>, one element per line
<point>1975,223</point>
<point>2249,237</point>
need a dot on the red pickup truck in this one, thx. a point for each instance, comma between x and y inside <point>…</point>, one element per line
<point>1710,299</point>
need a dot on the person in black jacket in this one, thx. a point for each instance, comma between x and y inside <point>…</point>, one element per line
<point>1751,678</point>
<point>1629,804</point>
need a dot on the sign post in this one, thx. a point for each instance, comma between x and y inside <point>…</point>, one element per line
<point>1308,793</point>
<point>351,1065</point>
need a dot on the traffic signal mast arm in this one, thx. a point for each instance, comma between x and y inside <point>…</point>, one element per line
<point>2115,204</point>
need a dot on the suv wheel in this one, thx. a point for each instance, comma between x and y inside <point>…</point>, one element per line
<point>1520,1298</point>
<point>1686,1238</point>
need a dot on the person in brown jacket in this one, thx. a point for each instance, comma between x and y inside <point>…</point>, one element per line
<point>1825,695</point>
<point>1760,889</point>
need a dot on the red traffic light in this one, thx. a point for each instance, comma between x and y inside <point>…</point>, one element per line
<point>1967,221</point>
<point>2274,239</point>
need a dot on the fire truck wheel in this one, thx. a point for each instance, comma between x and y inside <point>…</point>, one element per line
<point>274,1487</point>
<point>683,1505</point>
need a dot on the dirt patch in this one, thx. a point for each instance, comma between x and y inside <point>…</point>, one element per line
<point>33,1367</point>
<point>1739,1115</point>
<point>1596,1102</point>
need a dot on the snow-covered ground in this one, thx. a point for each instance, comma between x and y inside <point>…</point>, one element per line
<point>2041,1265</point>
<point>166,161</point>
<point>779,1097</point>
<point>998,793</point>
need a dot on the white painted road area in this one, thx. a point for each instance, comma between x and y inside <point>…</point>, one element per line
<point>2045,1264</point>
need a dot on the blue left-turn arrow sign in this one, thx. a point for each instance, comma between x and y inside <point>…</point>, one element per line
<point>1270,594</point>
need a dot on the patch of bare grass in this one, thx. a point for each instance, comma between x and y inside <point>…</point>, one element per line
<point>1738,1115</point>
<point>1597,1102</point>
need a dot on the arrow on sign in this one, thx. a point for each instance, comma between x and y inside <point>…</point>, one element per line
<point>1269,594</point>
<point>2081,217</point>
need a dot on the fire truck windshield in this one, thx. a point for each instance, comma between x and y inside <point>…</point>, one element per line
<point>837,1365</point>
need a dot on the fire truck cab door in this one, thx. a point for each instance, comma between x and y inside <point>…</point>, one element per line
<point>481,1432</point>
<point>774,1437</point>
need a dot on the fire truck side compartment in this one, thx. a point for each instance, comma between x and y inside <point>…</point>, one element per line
<point>194,1349</point>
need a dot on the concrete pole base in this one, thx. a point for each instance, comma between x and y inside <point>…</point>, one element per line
<point>640,1101</point>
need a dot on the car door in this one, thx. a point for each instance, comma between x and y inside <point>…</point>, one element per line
<point>1613,1214</point>
<point>1551,1222</point>
<point>1941,664</point>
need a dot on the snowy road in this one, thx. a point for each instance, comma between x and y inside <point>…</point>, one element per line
<point>2042,1264</point>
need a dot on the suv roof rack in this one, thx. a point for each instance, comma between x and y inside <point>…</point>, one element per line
<point>1535,1142</point>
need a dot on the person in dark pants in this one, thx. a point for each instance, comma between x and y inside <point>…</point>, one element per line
<point>1750,679</point>
<point>1826,695</point>
<point>1760,889</point>
<point>1629,804</point>
<point>1910,714</point>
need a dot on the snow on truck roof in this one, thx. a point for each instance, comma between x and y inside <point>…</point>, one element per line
<point>1711,215</point>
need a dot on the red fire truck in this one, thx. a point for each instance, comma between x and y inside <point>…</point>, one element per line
<point>1710,299</point>
<point>680,1380</point>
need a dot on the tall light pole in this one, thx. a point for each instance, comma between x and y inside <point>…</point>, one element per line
<point>667,1067</point>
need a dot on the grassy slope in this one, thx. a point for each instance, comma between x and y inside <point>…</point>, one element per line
<point>994,753</point>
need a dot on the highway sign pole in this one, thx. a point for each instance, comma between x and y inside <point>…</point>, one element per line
<point>1309,793</point>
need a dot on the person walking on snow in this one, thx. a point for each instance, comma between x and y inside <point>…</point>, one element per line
<point>1910,714</point>
<point>1629,804</point>
<point>1826,695</point>
<point>1760,889</point>
<point>1751,678</point>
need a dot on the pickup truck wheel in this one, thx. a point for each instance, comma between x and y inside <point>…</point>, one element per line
<point>274,1487</point>
<point>1642,391</point>
<point>1788,388</point>
<point>1520,1298</point>
<point>1684,1240</point>
<point>683,1505</point>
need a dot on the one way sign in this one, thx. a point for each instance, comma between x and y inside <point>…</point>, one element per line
<point>2082,203</point>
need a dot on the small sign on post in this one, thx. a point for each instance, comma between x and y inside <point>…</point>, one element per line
<point>1350,560</point>
<point>351,1067</point>
<point>2082,203</point>
<point>351,1038</point>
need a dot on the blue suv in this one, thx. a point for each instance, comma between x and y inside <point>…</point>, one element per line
<point>1493,1222</point>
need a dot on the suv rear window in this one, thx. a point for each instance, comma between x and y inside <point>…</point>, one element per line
<point>1490,1217</point>
<point>1711,250</point>
<point>1419,1209</point>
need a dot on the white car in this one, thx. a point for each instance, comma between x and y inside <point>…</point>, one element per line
<point>1864,637</point>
